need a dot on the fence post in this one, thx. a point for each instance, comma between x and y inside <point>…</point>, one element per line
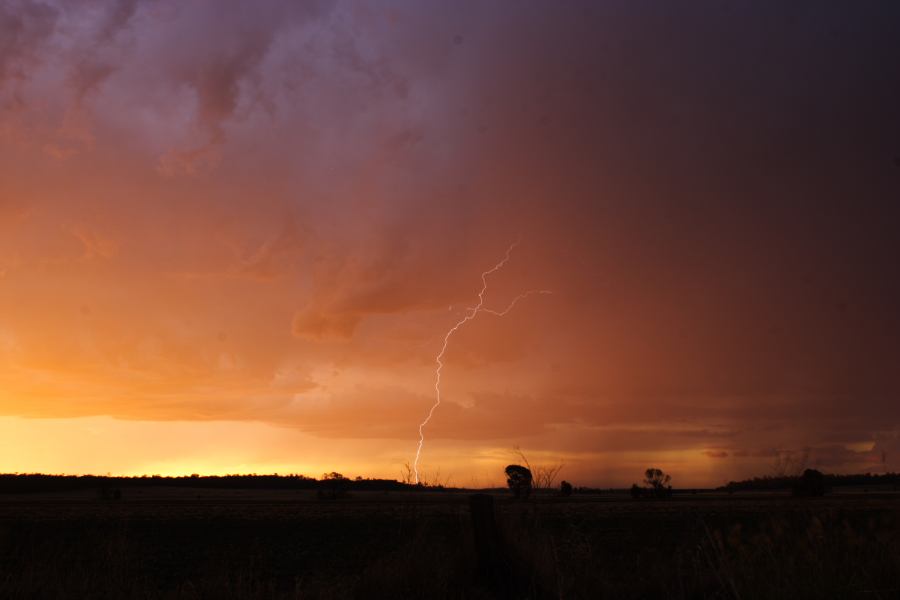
<point>491,563</point>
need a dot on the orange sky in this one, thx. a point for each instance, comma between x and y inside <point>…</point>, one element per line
<point>232,239</point>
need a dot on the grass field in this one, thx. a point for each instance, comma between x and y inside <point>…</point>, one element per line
<point>202,543</point>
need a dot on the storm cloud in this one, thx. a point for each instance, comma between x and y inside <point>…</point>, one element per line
<point>272,212</point>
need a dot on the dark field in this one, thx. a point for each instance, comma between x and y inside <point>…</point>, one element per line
<point>186,543</point>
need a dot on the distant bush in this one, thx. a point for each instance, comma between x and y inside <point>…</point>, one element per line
<point>565,489</point>
<point>810,484</point>
<point>519,480</point>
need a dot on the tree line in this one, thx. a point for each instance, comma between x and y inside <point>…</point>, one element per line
<point>36,482</point>
<point>784,482</point>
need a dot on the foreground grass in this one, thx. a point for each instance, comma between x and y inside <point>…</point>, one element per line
<point>422,546</point>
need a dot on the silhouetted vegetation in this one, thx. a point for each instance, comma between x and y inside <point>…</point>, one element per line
<point>543,476</point>
<point>333,486</point>
<point>656,485</point>
<point>565,489</point>
<point>810,484</point>
<point>31,483</point>
<point>769,484</point>
<point>519,480</point>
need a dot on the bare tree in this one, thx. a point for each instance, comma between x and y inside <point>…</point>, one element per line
<point>789,463</point>
<point>407,475</point>
<point>543,476</point>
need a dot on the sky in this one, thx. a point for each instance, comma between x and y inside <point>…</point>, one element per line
<point>233,236</point>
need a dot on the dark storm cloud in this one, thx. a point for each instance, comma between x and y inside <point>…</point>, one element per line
<point>24,27</point>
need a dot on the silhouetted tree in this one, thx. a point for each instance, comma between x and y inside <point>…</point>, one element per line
<point>407,475</point>
<point>656,479</point>
<point>656,485</point>
<point>565,489</point>
<point>334,485</point>
<point>518,478</point>
<point>811,483</point>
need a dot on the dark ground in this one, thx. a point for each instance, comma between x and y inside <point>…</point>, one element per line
<point>202,543</point>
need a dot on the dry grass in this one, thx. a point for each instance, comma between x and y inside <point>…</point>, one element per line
<point>421,546</point>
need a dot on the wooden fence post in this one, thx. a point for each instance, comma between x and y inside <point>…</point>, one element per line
<point>492,565</point>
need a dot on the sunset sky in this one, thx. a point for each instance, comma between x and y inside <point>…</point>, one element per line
<point>233,236</point>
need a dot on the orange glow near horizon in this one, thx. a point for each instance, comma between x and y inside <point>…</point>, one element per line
<point>101,446</point>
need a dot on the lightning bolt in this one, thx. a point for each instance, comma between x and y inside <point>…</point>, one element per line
<point>502,313</point>
<point>471,313</point>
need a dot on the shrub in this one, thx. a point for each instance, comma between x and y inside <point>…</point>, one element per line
<point>519,479</point>
<point>810,484</point>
